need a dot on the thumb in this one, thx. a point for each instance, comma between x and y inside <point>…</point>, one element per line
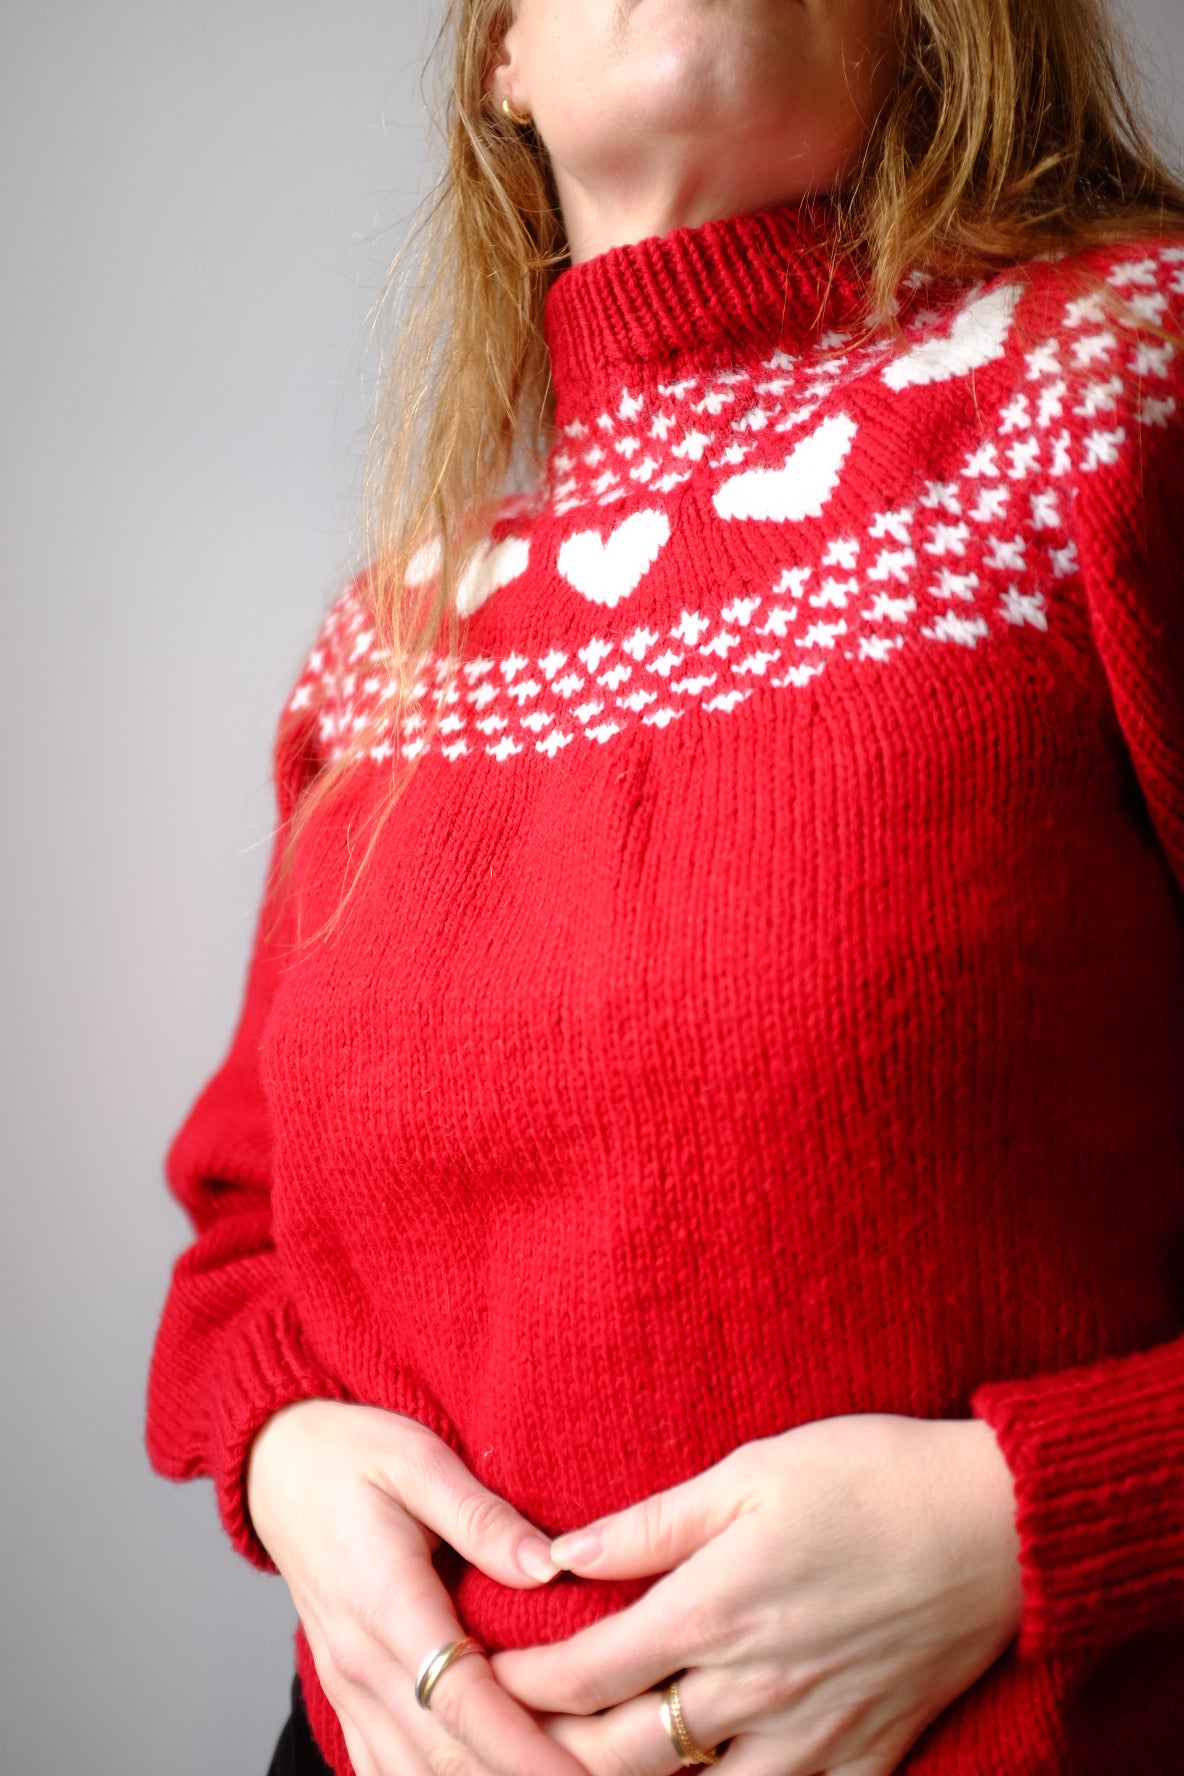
<point>655,1535</point>
<point>441,1494</point>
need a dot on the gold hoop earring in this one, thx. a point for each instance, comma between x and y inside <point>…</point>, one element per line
<point>516,116</point>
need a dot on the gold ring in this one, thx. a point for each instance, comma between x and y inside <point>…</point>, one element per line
<point>688,1748</point>
<point>437,1663</point>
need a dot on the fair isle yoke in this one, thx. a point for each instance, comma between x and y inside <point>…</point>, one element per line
<point>976,541</point>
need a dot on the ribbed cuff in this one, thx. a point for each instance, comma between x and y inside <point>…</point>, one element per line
<point>1097,1457</point>
<point>267,1366</point>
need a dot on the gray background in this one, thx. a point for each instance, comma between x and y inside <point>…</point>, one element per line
<point>197,205</point>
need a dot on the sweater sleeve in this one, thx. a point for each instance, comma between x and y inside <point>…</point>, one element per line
<point>1097,1454</point>
<point>230,1350</point>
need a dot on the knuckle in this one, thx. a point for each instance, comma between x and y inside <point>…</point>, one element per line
<point>616,1760</point>
<point>457,1699</point>
<point>415,1474</point>
<point>446,1758</point>
<point>350,1654</point>
<point>659,1521</point>
<point>745,1464</point>
<point>374,1613</point>
<point>749,1476</point>
<point>581,1692</point>
<point>479,1517</point>
<point>700,1624</point>
<point>762,1690</point>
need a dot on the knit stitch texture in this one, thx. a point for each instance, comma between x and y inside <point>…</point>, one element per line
<point>767,1001</point>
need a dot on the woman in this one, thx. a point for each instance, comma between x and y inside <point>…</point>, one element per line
<point>718,1103</point>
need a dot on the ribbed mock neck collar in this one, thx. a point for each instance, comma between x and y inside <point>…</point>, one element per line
<point>698,295</point>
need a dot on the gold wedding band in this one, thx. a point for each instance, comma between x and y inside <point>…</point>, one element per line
<point>688,1748</point>
<point>437,1663</point>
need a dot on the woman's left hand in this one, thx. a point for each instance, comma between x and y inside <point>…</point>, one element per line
<point>827,1593</point>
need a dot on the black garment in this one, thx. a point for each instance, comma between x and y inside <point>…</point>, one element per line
<point>297,1754</point>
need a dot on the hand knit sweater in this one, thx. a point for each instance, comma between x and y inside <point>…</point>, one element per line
<point>767,1000</point>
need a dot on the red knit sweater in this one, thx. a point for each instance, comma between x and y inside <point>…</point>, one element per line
<point>767,1001</point>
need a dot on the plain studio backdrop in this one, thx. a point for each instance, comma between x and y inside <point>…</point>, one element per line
<point>198,205</point>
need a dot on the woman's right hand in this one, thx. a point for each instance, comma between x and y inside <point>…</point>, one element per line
<point>350,1502</point>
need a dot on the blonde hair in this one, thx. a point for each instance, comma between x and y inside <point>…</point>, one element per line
<point>1012,131</point>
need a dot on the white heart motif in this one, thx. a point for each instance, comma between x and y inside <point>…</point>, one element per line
<point>977,337</point>
<point>607,572</point>
<point>800,487</point>
<point>489,570</point>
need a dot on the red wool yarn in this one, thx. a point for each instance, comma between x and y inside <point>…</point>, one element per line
<point>767,1001</point>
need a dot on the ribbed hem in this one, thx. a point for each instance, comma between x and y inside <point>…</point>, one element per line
<point>1097,1456</point>
<point>769,278</point>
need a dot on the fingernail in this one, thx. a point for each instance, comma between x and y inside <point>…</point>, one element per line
<point>578,1549</point>
<point>534,1557</point>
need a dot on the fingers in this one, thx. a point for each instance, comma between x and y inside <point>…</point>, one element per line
<point>368,1663</point>
<point>628,1739</point>
<point>656,1534</point>
<point>633,1737</point>
<point>472,1727</point>
<point>743,1717</point>
<point>632,1740</point>
<point>402,1742</point>
<point>472,1709</point>
<point>435,1487</point>
<point>673,1626</point>
<point>754,1756</point>
<point>357,1536</point>
<point>379,1750</point>
<point>467,1705</point>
